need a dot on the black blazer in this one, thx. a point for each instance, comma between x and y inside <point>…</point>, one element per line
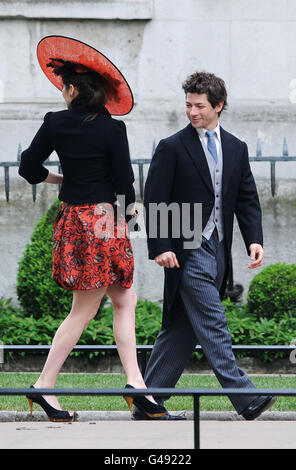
<point>94,156</point>
<point>179,173</point>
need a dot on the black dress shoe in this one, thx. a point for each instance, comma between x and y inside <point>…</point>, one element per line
<point>138,415</point>
<point>258,406</point>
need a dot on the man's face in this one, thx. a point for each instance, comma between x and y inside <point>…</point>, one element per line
<point>200,112</point>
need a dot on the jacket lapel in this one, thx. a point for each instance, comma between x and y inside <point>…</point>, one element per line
<point>228,149</point>
<point>193,145</point>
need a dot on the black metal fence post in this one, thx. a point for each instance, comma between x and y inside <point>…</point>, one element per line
<point>6,177</point>
<point>196,418</point>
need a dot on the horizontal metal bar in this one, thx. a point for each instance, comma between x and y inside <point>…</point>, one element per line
<point>150,391</point>
<point>143,161</point>
<point>9,164</point>
<point>46,347</point>
<point>93,347</point>
<point>146,161</point>
<point>272,159</point>
<point>136,161</point>
<point>50,163</point>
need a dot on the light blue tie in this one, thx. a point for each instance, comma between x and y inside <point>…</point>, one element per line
<point>212,145</point>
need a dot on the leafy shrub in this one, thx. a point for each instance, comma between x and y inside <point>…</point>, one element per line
<point>38,293</point>
<point>16,327</point>
<point>272,292</point>
<point>247,329</point>
<point>148,322</point>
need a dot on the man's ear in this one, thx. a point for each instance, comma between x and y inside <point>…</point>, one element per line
<point>219,107</point>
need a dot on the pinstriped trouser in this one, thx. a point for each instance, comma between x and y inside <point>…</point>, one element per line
<point>203,323</point>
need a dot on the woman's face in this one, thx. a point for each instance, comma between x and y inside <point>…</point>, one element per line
<point>69,93</point>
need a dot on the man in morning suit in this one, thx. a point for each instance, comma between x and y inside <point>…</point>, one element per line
<point>202,164</point>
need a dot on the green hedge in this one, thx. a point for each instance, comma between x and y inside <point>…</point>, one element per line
<point>18,328</point>
<point>272,292</point>
<point>247,329</point>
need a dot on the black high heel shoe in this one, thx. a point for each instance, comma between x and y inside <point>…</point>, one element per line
<point>150,409</point>
<point>53,414</point>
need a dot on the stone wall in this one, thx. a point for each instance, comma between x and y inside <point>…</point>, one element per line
<point>156,44</point>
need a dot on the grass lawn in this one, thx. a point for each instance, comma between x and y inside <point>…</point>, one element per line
<point>19,403</point>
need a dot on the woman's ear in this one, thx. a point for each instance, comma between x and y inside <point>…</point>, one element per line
<point>72,90</point>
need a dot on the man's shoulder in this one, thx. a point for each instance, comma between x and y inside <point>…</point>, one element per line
<point>172,139</point>
<point>231,137</point>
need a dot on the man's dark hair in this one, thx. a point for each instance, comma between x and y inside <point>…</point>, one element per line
<point>203,82</point>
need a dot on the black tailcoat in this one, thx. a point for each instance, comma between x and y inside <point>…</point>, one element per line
<point>179,174</point>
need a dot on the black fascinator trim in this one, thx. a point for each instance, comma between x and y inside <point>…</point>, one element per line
<point>65,67</point>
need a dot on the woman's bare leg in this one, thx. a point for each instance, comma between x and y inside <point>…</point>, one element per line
<point>124,304</point>
<point>85,305</point>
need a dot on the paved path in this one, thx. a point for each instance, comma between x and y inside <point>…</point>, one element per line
<point>126,434</point>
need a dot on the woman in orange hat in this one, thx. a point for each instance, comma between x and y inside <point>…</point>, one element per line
<point>92,253</point>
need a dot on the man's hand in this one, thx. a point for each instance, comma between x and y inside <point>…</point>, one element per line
<point>167,260</point>
<point>256,255</point>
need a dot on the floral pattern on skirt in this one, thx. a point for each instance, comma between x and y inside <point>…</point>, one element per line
<point>91,248</point>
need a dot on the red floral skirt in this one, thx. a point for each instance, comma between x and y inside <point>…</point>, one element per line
<point>91,248</point>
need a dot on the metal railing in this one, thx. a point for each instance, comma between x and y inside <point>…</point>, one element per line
<point>272,161</point>
<point>195,393</point>
<point>143,350</point>
<point>141,162</point>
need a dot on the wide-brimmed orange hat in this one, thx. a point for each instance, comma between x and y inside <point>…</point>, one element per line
<point>119,95</point>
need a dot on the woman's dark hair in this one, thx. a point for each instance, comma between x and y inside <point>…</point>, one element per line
<point>89,84</point>
<point>203,82</point>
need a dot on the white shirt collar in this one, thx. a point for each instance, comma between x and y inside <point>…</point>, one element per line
<point>201,132</point>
